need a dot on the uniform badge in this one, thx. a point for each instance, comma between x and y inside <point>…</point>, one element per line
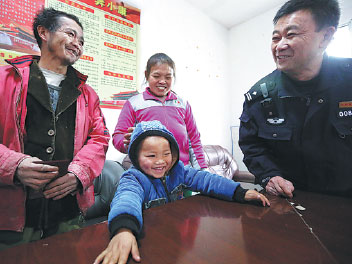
<point>275,121</point>
<point>345,109</point>
<point>347,104</point>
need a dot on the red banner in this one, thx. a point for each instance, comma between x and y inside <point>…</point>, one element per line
<point>117,8</point>
<point>16,18</point>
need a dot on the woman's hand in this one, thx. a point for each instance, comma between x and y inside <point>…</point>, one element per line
<point>127,136</point>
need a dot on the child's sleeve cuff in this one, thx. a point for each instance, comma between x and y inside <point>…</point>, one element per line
<point>239,194</point>
<point>124,221</point>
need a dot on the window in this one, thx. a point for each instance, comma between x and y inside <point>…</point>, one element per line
<point>341,45</point>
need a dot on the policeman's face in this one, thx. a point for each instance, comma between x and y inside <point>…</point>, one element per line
<point>296,46</point>
<point>65,45</point>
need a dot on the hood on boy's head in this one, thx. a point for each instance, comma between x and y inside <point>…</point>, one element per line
<point>146,129</point>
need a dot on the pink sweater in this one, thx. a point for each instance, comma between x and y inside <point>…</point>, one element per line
<point>174,113</point>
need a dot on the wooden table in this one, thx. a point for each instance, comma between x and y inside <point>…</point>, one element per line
<point>206,230</point>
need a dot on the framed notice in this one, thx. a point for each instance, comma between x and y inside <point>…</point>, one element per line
<point>111,33</point>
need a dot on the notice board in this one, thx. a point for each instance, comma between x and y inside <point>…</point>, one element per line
<point>111,33</point>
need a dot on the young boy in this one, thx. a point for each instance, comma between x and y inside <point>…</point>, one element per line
<point>158,177</point>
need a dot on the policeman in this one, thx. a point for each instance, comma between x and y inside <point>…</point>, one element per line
<point>296,124</point>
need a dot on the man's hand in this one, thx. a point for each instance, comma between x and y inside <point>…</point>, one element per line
<point>119,248</point>
<point>127,136</point>
<point>279,186</point>
<point>35,175</point>
<point>61,187</point>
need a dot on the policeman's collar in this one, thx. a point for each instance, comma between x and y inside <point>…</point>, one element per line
<point>289,87</point>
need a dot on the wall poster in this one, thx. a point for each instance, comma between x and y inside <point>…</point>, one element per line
<point>111,34</point>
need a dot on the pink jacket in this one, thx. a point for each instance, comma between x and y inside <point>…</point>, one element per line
<point>90,146</point>
<point>174,113</point>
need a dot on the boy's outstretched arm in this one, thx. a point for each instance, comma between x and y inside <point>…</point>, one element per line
<point>119,249</point>
<point>252,195</point>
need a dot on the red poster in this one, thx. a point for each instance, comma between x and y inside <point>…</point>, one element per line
<point>16,18</point>
<point>111,30</point>
<point>116,7</point>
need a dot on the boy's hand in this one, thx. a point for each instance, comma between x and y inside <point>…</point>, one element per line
<point>252,195</point>
<point>119,248</point>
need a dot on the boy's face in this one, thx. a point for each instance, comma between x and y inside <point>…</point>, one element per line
<point>155,157</point>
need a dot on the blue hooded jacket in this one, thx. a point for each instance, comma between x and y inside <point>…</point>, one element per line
<point>138,191</point>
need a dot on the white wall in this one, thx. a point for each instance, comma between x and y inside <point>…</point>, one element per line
<point>250,60</point>
<point>111,117</point>
<point>346,11</point>
<point>200,47</point>
<point>250,57</point>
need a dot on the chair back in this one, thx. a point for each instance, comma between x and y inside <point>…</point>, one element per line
<point>105,186</point>
<point>220,161</point>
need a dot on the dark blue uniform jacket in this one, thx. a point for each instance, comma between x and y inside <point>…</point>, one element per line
<point>303,135</point>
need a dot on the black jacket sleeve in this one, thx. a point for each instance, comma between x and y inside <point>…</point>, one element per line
<point>256,152</point>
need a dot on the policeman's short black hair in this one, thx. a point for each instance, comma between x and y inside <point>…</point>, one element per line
<point>49,18</point>
<point>324,12</point>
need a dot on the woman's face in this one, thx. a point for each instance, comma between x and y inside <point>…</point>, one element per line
<point>160,80</point>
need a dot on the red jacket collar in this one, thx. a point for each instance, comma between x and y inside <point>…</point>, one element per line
<point>26,60</point>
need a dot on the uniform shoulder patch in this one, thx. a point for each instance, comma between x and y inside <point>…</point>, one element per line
<point>260,90</point>
<point>264,85</point>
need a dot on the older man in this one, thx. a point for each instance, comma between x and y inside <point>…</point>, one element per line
<point>296,125</point>
<point>48,113</point>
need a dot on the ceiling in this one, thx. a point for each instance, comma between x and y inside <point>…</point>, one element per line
<point>232,12</point>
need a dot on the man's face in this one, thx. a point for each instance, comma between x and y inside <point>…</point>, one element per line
<point>296,46</point>
<point>65,45</point>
